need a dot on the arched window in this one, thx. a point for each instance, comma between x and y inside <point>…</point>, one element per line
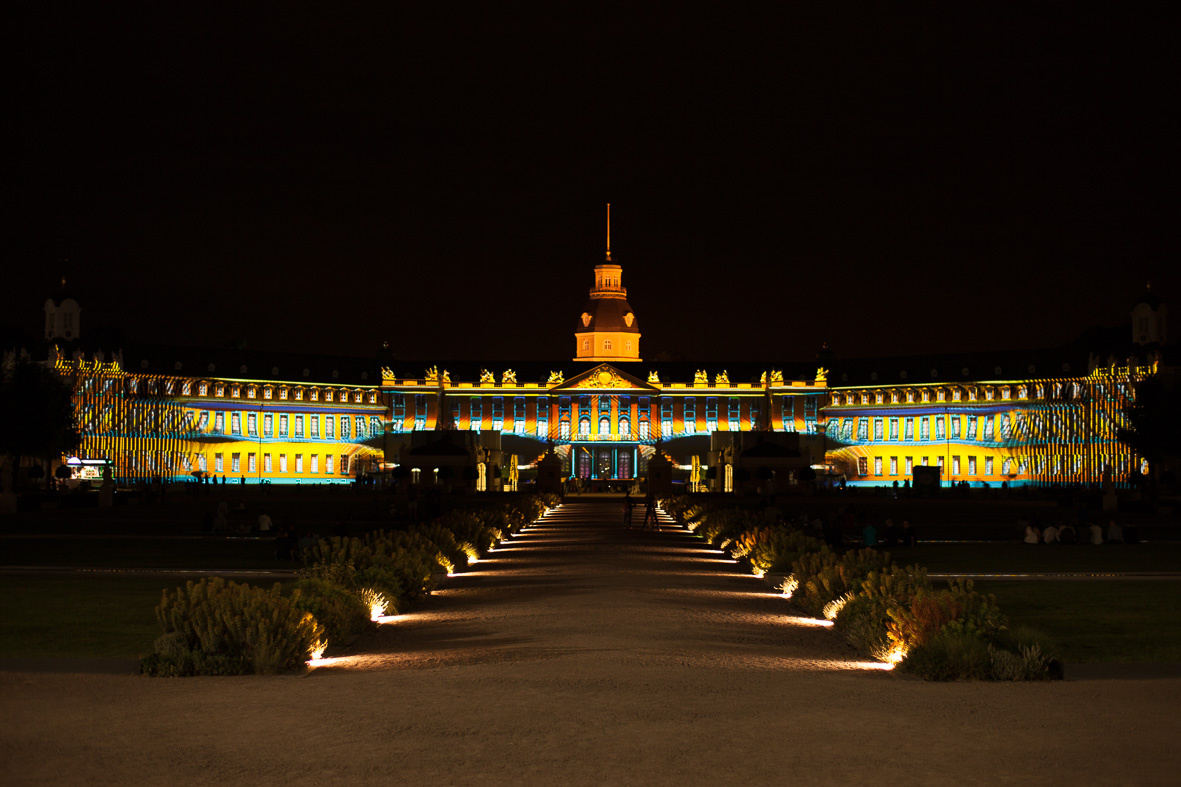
<point>606,344</point>
<point>629,345</point>
<point>604,426</point>
<point>625,426</point>
<point>586,344</point>
<point>584,426</point>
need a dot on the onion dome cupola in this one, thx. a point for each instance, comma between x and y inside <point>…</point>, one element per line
<point>607,329</point>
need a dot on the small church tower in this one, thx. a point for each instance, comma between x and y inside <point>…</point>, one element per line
<point>607,329</point>
<point>63,316</point>
<point>1149,319</point>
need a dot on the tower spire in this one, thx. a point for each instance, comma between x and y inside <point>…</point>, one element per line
<point>608,232</point>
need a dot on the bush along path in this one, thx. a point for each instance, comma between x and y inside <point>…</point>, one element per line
<point>218,627</point>
<point>888,612</point>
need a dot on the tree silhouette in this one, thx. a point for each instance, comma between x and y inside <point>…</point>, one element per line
<point>36,414</point>
<point>1152,428</point>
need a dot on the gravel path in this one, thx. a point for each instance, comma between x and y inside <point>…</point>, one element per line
<point>582,652</point>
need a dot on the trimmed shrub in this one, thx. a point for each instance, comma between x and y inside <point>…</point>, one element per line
<point>217,627</point>
<point>1022,653</point>
<point>955,653</point>
<point>471,528</point>
<point>788,546</point>
<point>824,577</point>
<point>1030,662</point>
<point>450,554</point>
<point>338,608</point>
<point>864,620</point>
<point>394,563</point>
<point>929,612</point>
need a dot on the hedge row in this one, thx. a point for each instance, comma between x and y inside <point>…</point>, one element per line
<point>888,612</point>
<point>216,627</point>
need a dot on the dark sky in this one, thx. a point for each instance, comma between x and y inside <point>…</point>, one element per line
<point>325,176</point>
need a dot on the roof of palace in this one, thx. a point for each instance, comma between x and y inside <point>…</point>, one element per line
<point>1097,347</point>
<point>232,363</point>
<point>667,371</point>
<point>607,314</point>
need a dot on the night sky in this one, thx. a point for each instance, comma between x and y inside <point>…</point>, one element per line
<point>324,177</point>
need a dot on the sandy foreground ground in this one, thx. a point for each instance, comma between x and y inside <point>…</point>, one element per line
<point>585,653</point>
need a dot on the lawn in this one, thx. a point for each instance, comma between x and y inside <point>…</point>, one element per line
<point>140,552</point>
<point>79,617</point>
<point>1097,620</point>
<point>1027,558</point>
<point>107,617</point>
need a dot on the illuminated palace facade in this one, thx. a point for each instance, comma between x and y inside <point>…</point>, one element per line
<point>605,414</point>
<point>150,424</point>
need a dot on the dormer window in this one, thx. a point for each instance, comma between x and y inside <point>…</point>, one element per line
<point>186,388</point>
<point>299,394</point>
<point>328,395</point>
<point>219,390</point>
<point>955,395</point>
<point>282,394</point>
<point>1006,393</point>
<point>203,389</point>
<point>941,395</point>
<point>926,396</point>
<point>251,392</point>
<point>236,391</point>
<point>893,397</point>
<point>910,397</point>
<point>314,395</point>
<point>878,398</point>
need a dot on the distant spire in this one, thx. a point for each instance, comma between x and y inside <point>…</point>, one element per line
<point>608,232</point>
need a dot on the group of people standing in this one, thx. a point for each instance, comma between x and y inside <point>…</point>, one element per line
<point>1089,533</point>
<point>650,519</point>
<point>891,535</point>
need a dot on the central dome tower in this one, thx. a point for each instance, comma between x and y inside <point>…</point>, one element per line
<point>607,329</point>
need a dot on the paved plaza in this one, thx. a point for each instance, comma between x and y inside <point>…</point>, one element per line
<point>584,652</point>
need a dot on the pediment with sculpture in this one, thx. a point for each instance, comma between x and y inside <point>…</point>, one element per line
<point>605,376</point>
